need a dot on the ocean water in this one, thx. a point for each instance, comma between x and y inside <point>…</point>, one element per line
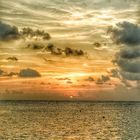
<point>43,120</point>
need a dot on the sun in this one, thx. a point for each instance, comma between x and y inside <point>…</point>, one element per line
<point>71,97</point>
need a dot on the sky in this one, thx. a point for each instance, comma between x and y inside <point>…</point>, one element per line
<point>70,50</point>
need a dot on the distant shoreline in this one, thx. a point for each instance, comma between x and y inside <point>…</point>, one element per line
<point>75,101</point>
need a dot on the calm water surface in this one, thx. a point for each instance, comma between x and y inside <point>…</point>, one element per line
<point>40,120</point>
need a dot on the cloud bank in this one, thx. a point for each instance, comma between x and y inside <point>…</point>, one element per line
<point>128,58</point>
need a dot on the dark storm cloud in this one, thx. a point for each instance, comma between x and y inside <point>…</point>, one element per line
<point>28,73</point>
<point>129,65</point>
<point>130,76</point>
<point>130,53</point>
<point>8,32</point>
<point>128,58</point>
<point>126,33</point>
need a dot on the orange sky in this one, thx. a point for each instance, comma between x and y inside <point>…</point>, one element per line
<point>80,26</point>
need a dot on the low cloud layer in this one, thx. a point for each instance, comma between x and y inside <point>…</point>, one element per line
<point>23,73</point>
<point>128,58</point>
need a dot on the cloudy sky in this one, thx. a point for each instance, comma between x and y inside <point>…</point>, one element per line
<point>70,49</point>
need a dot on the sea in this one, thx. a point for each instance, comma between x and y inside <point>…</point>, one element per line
<point>69,120</point>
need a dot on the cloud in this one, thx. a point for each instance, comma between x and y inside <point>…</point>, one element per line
<point>114,73</point>
<point>13,58</point>
<point>103,79</point>
<point>128,58</point>
<point>23,73</point>
<point>65,78</point>
<point>28,73</point>
<point>54,50</point>
<point>35,46</point>
<point>11,32</point>
<point>67,51</point>
<point>1,72</point>
<point>29,32</point>
<point>90,79</point>
<point>97,44</point>
<point>130,53</point>
<point>99,81</point>
<point>8,32</point>
<point>130,76</point>
<point>129,66</point>
<point>69,82</point>
<point>126,33</point>
<point>11,74</point>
